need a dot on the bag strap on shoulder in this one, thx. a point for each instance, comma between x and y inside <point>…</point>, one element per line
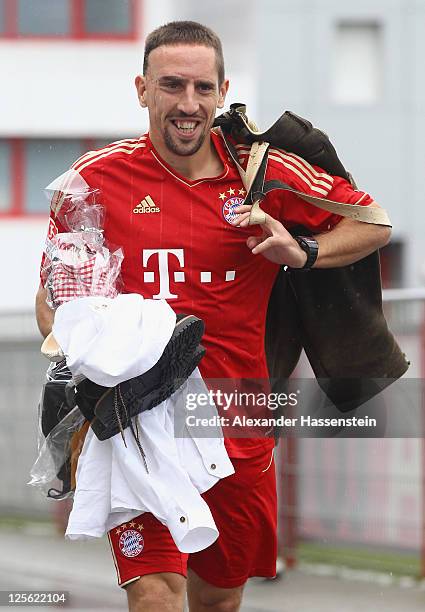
<point>253,178</point>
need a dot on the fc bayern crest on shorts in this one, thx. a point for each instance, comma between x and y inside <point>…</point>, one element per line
<point>229,208</point>
<point>131,543</point>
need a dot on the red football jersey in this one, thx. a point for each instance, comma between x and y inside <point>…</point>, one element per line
<point>179,245</point>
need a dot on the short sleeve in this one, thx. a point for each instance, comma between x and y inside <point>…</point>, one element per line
<point>298,174</point>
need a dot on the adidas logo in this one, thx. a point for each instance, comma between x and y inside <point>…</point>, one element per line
<point>147,205</point>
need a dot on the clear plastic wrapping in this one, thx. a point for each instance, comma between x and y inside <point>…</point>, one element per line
<point>61,426</point>
<point>78,263</point>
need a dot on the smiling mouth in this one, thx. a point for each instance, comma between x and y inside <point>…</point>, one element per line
<point>185,127</point>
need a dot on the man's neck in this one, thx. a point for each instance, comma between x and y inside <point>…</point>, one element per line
<point>205,163</point>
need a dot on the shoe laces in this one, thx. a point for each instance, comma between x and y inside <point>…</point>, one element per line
<point>118,397</point>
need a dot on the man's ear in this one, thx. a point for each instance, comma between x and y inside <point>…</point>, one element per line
<point>140,82</point>
<point>224,87</point>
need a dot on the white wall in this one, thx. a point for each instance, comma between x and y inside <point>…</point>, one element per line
<point>70,89</point>
<point>74,88</point>
<point>81,89</point>
<point>21,245</point>
<point>86,88</point>
<point>278,55</point>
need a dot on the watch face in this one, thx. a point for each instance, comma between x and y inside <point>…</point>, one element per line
<point>309,246</point>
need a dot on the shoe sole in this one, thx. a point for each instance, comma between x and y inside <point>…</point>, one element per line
<point>106,427</point>
<point>186,336</point>
<point>178,353</point>
<point>180,357</point>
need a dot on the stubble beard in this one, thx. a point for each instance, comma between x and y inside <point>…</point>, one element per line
<point>184,149</point>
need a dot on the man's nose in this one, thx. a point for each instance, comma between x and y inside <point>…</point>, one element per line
<point>188,103</point>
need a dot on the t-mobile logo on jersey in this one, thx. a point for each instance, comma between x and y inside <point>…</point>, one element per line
<point>179,276</point>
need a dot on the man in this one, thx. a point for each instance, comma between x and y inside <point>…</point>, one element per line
<point>174,201</point>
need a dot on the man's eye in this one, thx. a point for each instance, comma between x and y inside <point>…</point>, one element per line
<point>171,85</point>
<point>205,87</point>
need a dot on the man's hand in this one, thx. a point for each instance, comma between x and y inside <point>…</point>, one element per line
<point>345,244</point>
<point>275,243</point>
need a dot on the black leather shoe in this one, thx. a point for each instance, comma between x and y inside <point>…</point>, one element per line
<point>116,408</point>
<point>110,409</point>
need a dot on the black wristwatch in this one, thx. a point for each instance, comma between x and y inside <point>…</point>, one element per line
<point>309,245</point>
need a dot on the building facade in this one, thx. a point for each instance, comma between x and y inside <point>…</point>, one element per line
<point>67,69</point>
<point>354,69</point>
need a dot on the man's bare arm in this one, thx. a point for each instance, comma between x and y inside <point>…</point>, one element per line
<point>350,241</point>
<point>43,313</point>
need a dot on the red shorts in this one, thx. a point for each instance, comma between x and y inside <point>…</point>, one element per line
<point>244,508</point>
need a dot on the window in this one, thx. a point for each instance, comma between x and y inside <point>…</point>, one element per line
<point>357,63</point>
<point>46,17</point>
<point>392,257</point>
<point>45,160</point>
<point>64,19</point>
<point>2,18</point>
<point>5,176</point>
<point>28,166</point>
<point>107,16</point>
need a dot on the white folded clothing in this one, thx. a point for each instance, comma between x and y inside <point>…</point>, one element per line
<point>112,340</point>
<point>113,485</point>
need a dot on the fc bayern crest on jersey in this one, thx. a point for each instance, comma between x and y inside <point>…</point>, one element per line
<point>131,543</point>
<point>231,199</point>
<point>229,208</point>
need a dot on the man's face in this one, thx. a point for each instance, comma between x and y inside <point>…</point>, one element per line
<point>182,93</point>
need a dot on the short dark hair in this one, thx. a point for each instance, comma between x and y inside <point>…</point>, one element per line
<point>185,33</point>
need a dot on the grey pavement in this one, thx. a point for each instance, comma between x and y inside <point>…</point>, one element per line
<point>36,558</point>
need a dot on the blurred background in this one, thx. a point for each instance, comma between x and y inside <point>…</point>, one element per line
<point>352,527</point>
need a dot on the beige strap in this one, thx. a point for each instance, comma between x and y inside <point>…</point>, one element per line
<point>365,214</point>
<point>257,215</point>
<point>256,156</point>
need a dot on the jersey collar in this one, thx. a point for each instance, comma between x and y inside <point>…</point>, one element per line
<point>219,147</point>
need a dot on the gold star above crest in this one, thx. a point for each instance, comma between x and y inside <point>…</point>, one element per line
<point>140,526</point>
<point>222,196</point>
<point>242,192</point>
<point>124,526</point>
<point>231,191</point>
<point>132,524</point>
<point>118,531</point>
